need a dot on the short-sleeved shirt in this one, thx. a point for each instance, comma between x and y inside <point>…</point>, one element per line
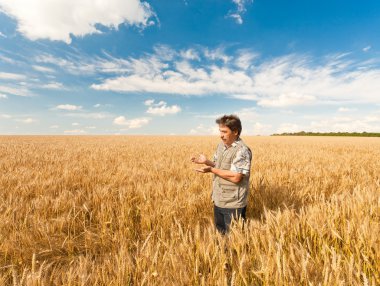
<point>242,161</point>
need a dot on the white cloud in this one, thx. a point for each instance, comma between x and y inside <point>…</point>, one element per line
<point>3,95</point>
<point>54,126</point>
<point>190,54</point>
<point>91,127</point>
<point>70,107</point>
<point>27,120</point>
<point>131,123</point>
<point>202,129</point>
<point>12,76</point>
<point>57,20</point>
<point>74,131</point>
<point>161,108</point>
<point>285,100</point>
<point>7,60</point>
<point>216,54</point>
<point>5,116</point>
<point>43,69</point>
<point>75,124</point>
<point>245,59</point>
<point>366,49</point>
<point>2,35</point>
<point>240,10</point>
<point>345,109</point>
<point>89,115</point>
<point>19,91</point>
<point>97,105</point>
<point>260,129</point>
<point>53,85</point>
<point>289,128</point>
<point>334,125</point>
<point>283,81</point>
<point>148,102</point>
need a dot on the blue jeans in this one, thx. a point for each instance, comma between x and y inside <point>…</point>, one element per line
<point>223,217</point>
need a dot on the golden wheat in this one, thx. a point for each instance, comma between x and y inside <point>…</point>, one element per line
<point>130,210</point>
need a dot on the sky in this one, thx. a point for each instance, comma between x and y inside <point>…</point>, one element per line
<point>172,67</point>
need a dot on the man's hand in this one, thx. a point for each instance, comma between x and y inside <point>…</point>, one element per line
<point>206,169</point>
<point>200,159</point>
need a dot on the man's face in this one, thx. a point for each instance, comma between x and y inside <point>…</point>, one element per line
<point>227,135</point>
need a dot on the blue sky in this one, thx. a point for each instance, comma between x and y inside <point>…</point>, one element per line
<point>173,67</point>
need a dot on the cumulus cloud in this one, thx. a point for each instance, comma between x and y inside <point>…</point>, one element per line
<point>161,108</point>
<point>131,123</point>
<point>70,107</point>
<point>57,20</point>
<point>3,95</point>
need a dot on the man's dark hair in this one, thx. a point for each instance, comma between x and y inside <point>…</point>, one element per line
<point>231,121</point>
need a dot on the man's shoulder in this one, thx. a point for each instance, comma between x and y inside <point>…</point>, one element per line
<point>244,149</point>
<point>241,145</point>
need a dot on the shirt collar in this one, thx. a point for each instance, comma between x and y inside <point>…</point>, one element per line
<point>234,144</point>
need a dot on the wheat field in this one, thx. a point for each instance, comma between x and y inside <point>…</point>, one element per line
<point>131,210</point>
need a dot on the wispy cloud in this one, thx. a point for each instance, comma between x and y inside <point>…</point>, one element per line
<point>2,35</point>
<point>161,108</point>
<point>53,85</point>
<point>70,107</point>
<point>71,17</point>
<point>284,81</point>
<point>43,69</point>
<point>346,109</point>
<point>27,120</point>
<point>3,96</point>
<point>240,9</point>
<point>89,115</point>
<point>12,76</point>
<point>5,116</point>
<point>366,49</point>
<point>131,123</point>
<point>15,90</point>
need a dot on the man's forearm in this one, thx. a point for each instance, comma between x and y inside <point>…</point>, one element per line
<point>233,177</point>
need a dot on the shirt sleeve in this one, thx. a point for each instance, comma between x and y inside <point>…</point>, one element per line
<point>242,161</point>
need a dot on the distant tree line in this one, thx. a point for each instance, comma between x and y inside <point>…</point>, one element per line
<point>303,133</point>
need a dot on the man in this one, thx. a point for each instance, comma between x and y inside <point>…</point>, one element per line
<point>231,169</point>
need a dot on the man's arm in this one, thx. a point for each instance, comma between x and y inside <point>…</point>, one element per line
<point>228,175</point>
<point>201,159</point>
